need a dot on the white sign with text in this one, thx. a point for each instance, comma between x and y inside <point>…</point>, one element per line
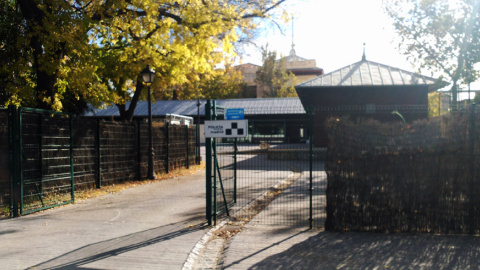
<point>226,129</point>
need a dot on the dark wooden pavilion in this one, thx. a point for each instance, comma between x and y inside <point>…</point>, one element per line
<point>365,89</point>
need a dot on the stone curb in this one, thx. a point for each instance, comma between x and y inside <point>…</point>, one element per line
<point>201,246</point>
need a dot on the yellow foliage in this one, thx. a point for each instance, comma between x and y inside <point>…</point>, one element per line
<point>93,52</point>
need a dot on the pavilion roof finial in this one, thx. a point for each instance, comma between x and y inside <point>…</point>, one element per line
<point>364,57</point>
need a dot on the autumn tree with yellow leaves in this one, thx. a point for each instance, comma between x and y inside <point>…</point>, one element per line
<point>74,52</point>
<point>223,83</point>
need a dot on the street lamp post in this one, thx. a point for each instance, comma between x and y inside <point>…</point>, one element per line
<point>198,132</point>
<point>148,76</point>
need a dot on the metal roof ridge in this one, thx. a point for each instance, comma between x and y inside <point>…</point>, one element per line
<point>380,72</point>
<point>352,67</point>
<point>390,73</point>
<point>401,76</point>
<point>370,73</point>
<point>341,75</point>
<point>360,71</point>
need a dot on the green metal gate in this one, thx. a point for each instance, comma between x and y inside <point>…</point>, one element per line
<point>220,171</point>
<point>41,159</point>
<point>265,182</point>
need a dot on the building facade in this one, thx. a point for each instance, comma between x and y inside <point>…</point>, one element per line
<point>303,69</point>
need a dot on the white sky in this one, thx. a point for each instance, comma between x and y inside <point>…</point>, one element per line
<point>333,32</point>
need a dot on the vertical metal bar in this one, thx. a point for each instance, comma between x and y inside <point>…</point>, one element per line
<point>38,178</point>
<point>11,169</point>
<point>208,163</point>
<point>20,158</point>
<point>197,139</point>
<point>215,164</point>
<point>72,172</point>
<point>235,149</point>
<point>99,154</point>
<point>150,173</point>
<point>139,149</point>
<point>311,167</point>
<point>471,156</point>
<point>40,146</point>
<point>14,161</point>
<point>188,146</point>
<point>214,146</point>
<point>167,157</point>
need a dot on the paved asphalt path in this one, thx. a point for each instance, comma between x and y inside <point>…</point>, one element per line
<point>152,226</point>
<point>267,247</point>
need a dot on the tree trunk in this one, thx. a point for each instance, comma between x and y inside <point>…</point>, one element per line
<point>45,78</point>
<point>127,114</point>
<point>454,93</point>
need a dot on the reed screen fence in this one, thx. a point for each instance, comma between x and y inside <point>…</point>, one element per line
<point>404,177</point>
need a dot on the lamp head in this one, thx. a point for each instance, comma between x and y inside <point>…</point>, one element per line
<point>148,75</point>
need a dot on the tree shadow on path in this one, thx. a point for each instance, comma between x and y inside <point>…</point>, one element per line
<point>115,246</point>
<point>328,250</point>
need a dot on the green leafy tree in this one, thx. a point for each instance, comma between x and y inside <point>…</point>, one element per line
<point>93,51</point>
<point>223,83</point>
<point>440,36</point>
<point>226,85</point>
<point>435,104</point>
<point>273,77</point>
<point>15,71</point>
<point>53,65</point>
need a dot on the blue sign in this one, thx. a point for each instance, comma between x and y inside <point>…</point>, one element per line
<point>235,114</point>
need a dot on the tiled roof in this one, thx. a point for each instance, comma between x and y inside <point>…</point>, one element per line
<point>252,106</point>
<point>368,73</point>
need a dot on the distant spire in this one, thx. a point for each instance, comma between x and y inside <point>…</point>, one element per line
<point>293,28</point>
<point>364,57</point>
<point>292,51</point>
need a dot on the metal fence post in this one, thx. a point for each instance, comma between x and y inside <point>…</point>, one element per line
<point>208,171</point>
<point>214,146</point>
<point>235,170</point>
<point>215,164</point>
<point>20,158</point>
<point>188,146</point>
<point>471,157</point>
<point>197,137</point>
<point>72,171</point>
<point>139,149</point>
<point>13,128</point>
<point>167,156</point>
<point>11,164</point>
<point>99,154</point>
<point>310,138</point>
<point>40,146</point>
